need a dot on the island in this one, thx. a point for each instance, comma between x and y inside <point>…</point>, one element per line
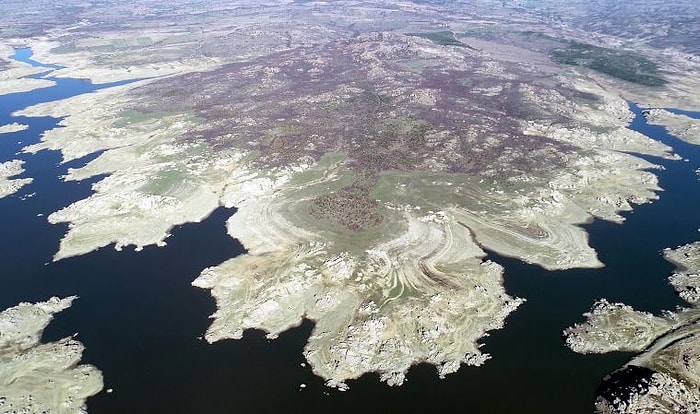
<point>13,127</point>
<point>42,377</point>
<point>8,184</point>
<point>375,152</point>
<point>665,375</point>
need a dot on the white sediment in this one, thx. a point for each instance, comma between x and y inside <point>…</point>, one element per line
<point>13,127</point>
<point>423,296</point>
<point>681,126</point>
<point>597,186</point>
<point>95,109</point>
<point>137,205</point>
<point>42,377</point>
<point>9,169</point>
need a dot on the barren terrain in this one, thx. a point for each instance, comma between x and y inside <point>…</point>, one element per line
<point>42,377</point>
<point>373,150</point>
<point>665,376</point>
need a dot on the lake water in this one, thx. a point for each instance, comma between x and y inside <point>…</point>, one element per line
<point>140,319</point>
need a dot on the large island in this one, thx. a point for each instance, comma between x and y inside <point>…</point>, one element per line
<point>374,152</point>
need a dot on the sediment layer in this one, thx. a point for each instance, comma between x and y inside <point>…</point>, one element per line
<point>418,294</point>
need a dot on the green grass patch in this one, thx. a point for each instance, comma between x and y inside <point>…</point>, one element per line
<point>144,41</point>
<point>445,38</point>
<point>131,117</point>
<point>67,48</point>
<point>120,43</point>
<point>135,117</point>
<point>623,65</point>
<point>168,183</point>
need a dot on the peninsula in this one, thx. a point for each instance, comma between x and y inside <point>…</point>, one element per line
<point>374,152</point>
<point>42,377</point>
<point>665,376</point>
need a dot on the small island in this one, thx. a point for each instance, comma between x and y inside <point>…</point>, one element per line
<point>42,377</point>
<point>12,127</point>
<point>8,184</point>
<point>665,376</point>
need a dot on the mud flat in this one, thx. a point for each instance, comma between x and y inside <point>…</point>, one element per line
<point>8,169</point>
<point>681,126</point>
<point>665,376</point>
<point>42,377</point>
<point>13,127</point>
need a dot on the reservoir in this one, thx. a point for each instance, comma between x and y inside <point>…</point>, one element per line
<point>140,319</point>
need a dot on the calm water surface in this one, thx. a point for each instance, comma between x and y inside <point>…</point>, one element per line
<point>140,319</point>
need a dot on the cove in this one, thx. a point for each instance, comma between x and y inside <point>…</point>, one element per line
<point>140,319</point>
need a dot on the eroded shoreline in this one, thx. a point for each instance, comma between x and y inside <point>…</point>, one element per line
<point>42,377</point>
<point>8,184</point>
<point>668,346</point>
<point>194,183</point>
<point>440,177</point>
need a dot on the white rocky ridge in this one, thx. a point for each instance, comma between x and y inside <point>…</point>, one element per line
<point>13,127</point>
<point>669,344</point>
<point>9,186</point>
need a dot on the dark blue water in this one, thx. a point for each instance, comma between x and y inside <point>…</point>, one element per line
<point>692,114</point>
<point>139,317</point>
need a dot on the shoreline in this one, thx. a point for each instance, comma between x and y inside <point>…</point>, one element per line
<point>38,376</point>
<point>84,235</point>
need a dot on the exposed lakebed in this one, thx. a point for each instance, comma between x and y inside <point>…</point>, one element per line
<point>140,318</point>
